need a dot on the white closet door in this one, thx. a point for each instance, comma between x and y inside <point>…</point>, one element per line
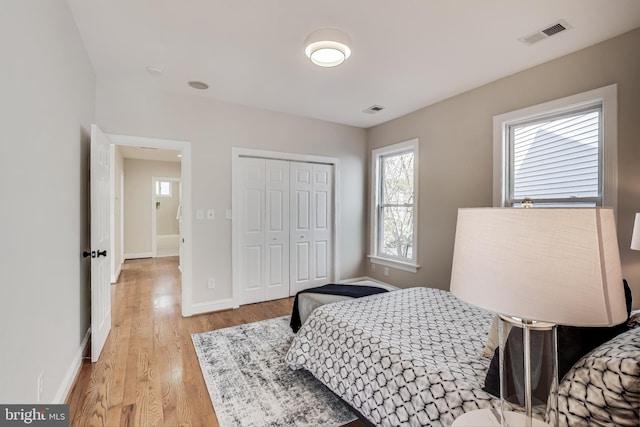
<point>311,230</point>
<point>277,229</point>
<point>252,231</point>
<point>322,220</point>
<point>264,225</point>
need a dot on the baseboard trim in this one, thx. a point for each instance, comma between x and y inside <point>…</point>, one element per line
<point>138,255</point>
<point>210,306</point>
<point>116,276</point>
<point>70,377</point>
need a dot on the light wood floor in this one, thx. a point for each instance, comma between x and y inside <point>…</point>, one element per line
<point>148,373</point>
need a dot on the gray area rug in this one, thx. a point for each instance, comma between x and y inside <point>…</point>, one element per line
<point>251,385</point>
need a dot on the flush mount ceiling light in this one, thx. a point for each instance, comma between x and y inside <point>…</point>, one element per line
<point>327,47</point>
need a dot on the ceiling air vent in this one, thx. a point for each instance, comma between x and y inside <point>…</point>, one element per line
<point>373,109</point>
<point>545,33</point>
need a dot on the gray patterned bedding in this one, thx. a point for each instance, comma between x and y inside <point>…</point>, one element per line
<point>425,374</point>
<point>431,370</point>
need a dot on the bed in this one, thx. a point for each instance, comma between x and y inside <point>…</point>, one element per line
<point>431,370</point>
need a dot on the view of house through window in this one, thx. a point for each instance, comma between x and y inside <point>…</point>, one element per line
<point>561,153</point>
<point>557,161</point>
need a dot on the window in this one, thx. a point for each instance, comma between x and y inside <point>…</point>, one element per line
<point>163,189</point>
<point>561,153</point>
<point>394,205</point>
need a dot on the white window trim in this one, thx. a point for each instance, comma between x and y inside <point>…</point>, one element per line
<point>157,182</point>
<point>607,95</point>
<point>374,257</point>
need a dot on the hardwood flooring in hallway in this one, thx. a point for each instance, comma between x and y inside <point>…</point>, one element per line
<point>148,373</point>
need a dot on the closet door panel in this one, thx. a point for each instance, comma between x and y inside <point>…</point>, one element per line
<point>252,231</point>
<point>277,233</point>
<point>322,222</point>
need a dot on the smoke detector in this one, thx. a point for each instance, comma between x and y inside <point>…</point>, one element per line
<point>546,32</point>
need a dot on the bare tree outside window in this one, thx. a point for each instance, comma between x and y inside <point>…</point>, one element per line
<point>396,205</point>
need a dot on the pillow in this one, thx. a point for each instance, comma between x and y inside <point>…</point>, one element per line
<point>492,339</point>
<point>573,343</point>
<point>603,387</point>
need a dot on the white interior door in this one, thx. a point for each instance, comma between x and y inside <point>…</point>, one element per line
<point>285,227</point>
<point>100,242</point>
<point>311,225</point>
<point>252,231</point>
<point>264,225</point>
<point>277,229</point>
<point>322,223</point>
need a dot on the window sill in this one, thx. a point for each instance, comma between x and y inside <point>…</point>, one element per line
<point>387,262</point>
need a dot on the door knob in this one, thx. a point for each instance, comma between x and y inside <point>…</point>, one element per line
<point>86,254</point>
<point>102,253</point>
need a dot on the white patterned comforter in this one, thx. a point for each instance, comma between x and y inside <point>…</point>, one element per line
<point>406,358</point>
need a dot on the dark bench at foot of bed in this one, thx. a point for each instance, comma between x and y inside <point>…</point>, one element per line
<point>309,299</point>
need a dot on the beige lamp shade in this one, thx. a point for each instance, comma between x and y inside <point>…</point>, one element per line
<point>558,265</point>
<point>635,237</point>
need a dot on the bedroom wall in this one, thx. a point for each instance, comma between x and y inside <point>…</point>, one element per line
<point>137,203</point>
<point>213,128</point>
<point>47,88</point>
<point>456,149</point>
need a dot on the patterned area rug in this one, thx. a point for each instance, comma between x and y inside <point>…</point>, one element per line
<point>251,385</point>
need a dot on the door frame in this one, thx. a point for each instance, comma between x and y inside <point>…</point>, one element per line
<point>236,154</point>
<point>185,178</point>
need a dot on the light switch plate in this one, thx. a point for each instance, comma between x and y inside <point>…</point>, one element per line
<point>199,214</point>
<point>211,214</point>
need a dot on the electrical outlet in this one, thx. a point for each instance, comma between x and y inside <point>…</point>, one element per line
<point>212,283</point>
<point>40,386</point>
<point>386,271</point>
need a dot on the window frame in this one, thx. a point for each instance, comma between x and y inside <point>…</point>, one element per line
<point>158,187</point>
<point>375,256</point>
<point>502,124</point>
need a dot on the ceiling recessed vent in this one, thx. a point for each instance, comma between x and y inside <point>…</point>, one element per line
<point>554,29</point>
<point>545,33</point>
<point>373,109</point>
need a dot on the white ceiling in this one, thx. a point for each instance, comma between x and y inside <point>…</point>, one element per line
<point>407,54</point>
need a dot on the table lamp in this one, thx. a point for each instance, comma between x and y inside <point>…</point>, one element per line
<point>635,236</point>
<point>539,266</point>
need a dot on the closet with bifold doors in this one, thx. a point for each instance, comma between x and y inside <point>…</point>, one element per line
<point>285,227</point>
